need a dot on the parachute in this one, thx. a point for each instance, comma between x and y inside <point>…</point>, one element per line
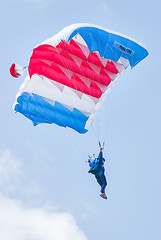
<point>71,74</point>
<point>16,70</point>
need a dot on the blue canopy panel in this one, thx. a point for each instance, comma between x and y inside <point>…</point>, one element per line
<point>111,45</point>
<point>39,110</point>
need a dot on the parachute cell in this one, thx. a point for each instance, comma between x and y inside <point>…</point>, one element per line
<point>71,73</point>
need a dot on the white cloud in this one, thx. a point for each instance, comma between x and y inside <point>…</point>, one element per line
<point>14,177</point>
<point>10,170</point>
<point>105,6</point>
<point>17,222</point>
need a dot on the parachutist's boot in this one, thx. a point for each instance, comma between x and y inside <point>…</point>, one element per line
<point>103,195</point>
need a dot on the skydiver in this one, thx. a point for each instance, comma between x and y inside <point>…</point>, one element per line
<point>97,168</point>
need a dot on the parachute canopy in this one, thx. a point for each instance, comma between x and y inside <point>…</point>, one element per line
<point>71,74</point>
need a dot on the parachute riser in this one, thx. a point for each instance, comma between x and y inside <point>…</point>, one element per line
<point>102,145</point>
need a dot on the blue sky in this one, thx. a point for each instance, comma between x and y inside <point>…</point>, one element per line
<point>45,190</point>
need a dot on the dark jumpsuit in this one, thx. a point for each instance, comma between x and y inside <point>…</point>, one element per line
<point>98,171</point>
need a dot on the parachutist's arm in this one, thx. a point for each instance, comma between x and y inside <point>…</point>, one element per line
<point>89,159</point>
<point>100,156</point>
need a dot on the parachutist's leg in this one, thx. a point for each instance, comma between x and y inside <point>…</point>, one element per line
<point>104,182</point>
<point>98,178</point>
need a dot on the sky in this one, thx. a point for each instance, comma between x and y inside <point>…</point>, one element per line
<point>46,192</point>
